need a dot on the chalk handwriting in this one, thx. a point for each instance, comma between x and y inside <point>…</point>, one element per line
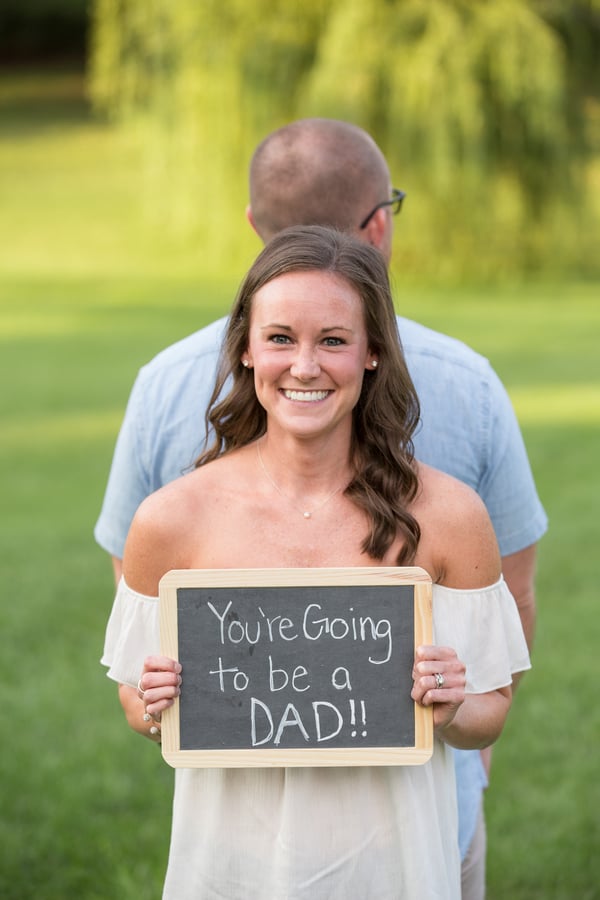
<point>313,626</point>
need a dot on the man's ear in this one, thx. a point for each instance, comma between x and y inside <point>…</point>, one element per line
<point>376,230</point>
<point>250,218</point>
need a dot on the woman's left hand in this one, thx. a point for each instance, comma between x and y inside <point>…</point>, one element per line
<point>439,680</point>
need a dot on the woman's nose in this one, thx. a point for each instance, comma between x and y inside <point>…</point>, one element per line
<point>305,365</point>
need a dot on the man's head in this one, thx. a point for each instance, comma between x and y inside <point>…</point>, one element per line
<point>321,172</point>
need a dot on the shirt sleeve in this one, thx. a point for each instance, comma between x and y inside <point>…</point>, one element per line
<point>484,628</point>
<point>132,634</point>
<point>128,482</point>
<point>163,429</point>
<point>469,429</point>
<point>507,486</point>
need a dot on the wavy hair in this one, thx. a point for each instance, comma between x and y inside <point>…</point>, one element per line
<point>387,412</point>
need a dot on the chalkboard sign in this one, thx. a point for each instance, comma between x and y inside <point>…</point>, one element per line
<point>295,667</point>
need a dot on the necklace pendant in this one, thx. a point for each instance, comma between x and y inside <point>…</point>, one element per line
<point>306,514</point>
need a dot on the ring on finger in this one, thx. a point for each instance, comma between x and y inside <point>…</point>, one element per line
<point>440,681</point>
<point>140,690</point>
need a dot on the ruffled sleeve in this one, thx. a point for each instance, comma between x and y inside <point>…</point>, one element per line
<point>484,628</point>
<point>132,634</point>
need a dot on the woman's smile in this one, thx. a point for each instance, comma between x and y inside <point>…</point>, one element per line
<point>305,396</point>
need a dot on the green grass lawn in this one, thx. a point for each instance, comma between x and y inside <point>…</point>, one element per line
<point>88,292</point>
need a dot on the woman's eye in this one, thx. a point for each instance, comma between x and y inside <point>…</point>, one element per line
<point>333,342</point>
<point>279,339</point>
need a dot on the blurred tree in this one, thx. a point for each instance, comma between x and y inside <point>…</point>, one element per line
<point>473,99</point>
<point>484,104</point>
<point>578,27</point>
<point>206,80</point>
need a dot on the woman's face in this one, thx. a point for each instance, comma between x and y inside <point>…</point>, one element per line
<point>309,350</point>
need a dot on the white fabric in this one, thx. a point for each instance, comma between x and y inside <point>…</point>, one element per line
<point>371,833</point>
<point>484,628</point>
<point>132,634</point>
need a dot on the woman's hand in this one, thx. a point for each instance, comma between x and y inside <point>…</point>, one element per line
<point>159,684</point>
<point>157,688</point>
<point>439,680</point>
<point>467,721</point>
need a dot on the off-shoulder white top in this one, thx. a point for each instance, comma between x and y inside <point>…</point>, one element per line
<point>364,833</point>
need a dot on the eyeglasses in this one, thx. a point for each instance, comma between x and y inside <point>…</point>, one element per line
<point>395,203</point>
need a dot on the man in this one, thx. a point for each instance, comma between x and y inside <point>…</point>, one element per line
<point>325,172</point>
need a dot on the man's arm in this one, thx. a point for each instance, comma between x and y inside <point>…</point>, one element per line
<point>117,568</point>
<point>519,573</point>
<point>518,570</point>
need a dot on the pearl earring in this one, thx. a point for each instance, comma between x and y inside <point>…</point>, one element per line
<point>245,363</point>
<point>374,363</point>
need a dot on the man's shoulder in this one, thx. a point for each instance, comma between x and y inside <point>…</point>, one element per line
<point>202,346</point>
<point>422,344</point>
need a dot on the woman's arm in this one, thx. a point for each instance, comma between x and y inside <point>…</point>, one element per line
<point>466,721</point>
<point>145,560</point>
<point>463,553</point>
<point>159,684</point>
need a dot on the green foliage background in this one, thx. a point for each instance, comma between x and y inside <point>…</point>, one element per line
<point>487,112</point>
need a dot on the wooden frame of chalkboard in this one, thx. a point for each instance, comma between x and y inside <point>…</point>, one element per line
<point>295,667</point>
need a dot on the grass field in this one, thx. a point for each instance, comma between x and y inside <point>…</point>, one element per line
<point>87,294</point>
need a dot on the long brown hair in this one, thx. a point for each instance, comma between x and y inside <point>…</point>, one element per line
<point>387,412</point>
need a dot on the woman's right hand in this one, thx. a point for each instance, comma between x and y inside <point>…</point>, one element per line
<point>159,684</point>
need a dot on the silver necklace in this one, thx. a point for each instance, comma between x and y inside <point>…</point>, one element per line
<point>307,514</point>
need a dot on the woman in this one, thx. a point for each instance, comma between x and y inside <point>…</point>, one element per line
<point>312,465</point>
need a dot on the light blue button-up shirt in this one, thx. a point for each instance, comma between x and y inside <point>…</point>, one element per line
<point>468,429</point>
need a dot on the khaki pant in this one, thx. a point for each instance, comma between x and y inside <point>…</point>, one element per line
<point>473,865</point>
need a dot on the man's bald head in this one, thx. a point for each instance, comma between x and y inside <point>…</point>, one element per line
<point>316,172</point>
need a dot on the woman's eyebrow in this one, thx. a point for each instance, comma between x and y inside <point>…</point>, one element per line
<point>324,330</point>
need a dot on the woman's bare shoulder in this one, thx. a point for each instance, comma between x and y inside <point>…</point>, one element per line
<point>457,531</point>
<point>446,493</point>
<point>167,521</point>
